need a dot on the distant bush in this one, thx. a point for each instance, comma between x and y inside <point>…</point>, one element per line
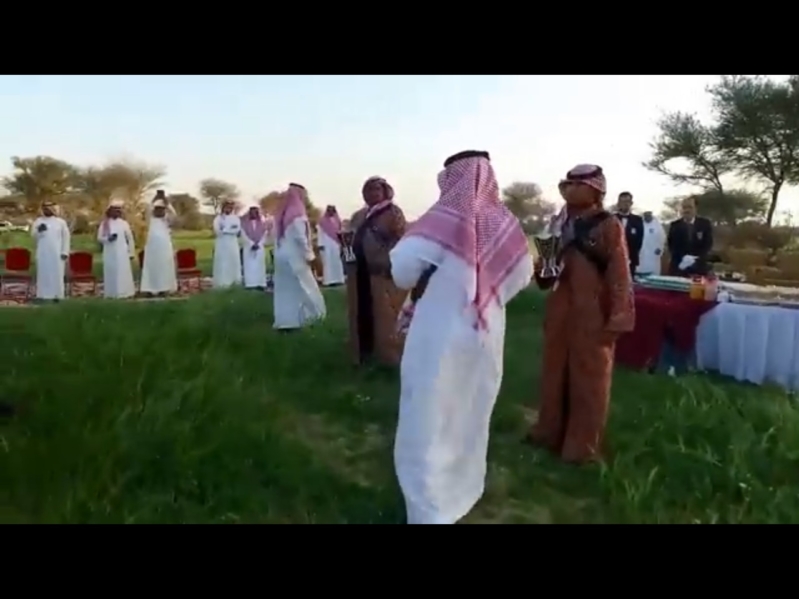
<point>755,235</point>
<point>81,225</point>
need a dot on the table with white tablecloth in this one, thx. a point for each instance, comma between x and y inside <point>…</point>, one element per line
<point>751,343</point>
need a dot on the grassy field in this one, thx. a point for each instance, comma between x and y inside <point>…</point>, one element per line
<point>196,411</point>
<point>201,241</point>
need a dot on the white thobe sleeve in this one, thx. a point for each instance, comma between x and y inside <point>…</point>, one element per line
<point>65,238</point>
<point>518,279</point>
<point>299,232</point>
<point>129,240</point>
<point>320,238</point>
<point>407,265</point>
<point>100,237</point>
<point>218,226</point>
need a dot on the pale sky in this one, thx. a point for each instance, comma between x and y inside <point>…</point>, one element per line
<point>332,132</point>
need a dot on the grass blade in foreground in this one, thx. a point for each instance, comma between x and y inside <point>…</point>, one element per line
<point>197,411</point>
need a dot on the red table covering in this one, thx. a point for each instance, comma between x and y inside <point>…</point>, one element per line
<point>659,314</point>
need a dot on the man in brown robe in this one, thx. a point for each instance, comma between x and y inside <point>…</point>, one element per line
<point>373,299</point>
<point>590,306</point>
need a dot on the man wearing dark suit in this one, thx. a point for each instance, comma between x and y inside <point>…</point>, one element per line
<point>690,235</point>
<point>633,228</point>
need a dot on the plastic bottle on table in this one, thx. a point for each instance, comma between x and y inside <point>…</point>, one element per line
<point>697,289</point>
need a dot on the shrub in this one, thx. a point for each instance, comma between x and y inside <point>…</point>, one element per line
<point>758,235</point>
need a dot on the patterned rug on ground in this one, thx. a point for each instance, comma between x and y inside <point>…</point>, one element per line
<point>14,293</point>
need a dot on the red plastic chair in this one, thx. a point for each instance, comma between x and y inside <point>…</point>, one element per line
<point>81,267</point>
<point>17,270</point>
<point>187,271</point>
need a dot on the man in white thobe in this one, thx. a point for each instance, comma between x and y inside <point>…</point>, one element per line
<point>297,299</point>
<point>52,238</point>
<point>467,257</point>
<point>227,257</point>
<point>652,247</point>
<point>158,276</point>
<point>327,233</point>
<point>255,235</point>
<point>119,249</point>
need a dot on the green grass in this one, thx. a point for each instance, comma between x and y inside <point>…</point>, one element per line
<point>196,411</point>
<point>201,241</point>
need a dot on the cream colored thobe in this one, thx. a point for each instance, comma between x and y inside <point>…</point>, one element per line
<point>332,266</point>
<point>254,261</point>
<point>158,272</point>
<point>52,252</point>
<point>651,248</point>
<point>117,254</point>
<point>227,257</point>
<point>297,299</point>
<point>450,376</point>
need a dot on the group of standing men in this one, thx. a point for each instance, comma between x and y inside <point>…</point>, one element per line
<point>431,298</point>
<point>645,237</point>
<point>297,299</point>
<point>688,236</point>
<point>239,249</point>
<point>52,238</point>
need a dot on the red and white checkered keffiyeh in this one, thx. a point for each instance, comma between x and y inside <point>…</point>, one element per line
<point>292,209</point>
<point>331,223</point>
<point>106,224</point>
<point>389,195</point>
<point>471,221</point>
<point>587,174</point>
<point>254,224</point>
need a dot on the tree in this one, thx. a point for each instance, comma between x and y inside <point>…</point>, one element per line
<point>526,203</point>
<point>187,208</point>
<point>770,239</point>
<point>754,134</point>
<point>685,140</point>
<point>129,181</point>
<point>313,212</point>
<point>722,208</point>
<point>671,210</point>
<point>80,223</point>
<point>215,192</point>
<point>12,206</point>
<point>758,129</point>
<point>270,202</point>
<point>39,178</point>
